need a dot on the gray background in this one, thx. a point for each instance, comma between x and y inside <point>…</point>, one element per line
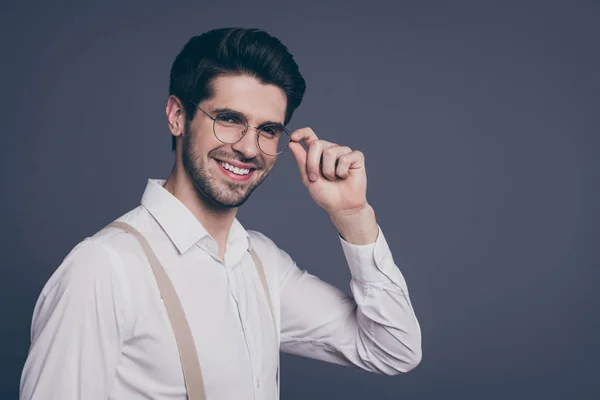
<point>479,122</point>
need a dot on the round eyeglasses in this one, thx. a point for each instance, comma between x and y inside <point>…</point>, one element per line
<point>230,127</point>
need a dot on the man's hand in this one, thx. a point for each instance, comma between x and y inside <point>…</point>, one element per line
<point>336,180</point>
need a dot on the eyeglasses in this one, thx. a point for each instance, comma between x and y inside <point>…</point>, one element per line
<point>230,127</point>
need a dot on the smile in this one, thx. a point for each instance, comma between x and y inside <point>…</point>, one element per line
<point>235,170</point>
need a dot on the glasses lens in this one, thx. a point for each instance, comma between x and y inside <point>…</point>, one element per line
<point>229,128</point>
<point>273,140</point>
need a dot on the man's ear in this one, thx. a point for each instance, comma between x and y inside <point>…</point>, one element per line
<point>175,115</point>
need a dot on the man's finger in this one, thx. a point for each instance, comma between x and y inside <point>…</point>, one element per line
<point>352,160</point>
<point>313,159</point>
<point>331,156</point>
<point>306,135</point>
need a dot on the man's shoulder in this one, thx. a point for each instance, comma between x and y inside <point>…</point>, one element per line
<point>261,241</point>
<point>96,256</point>
<point>265,246</point>
<point>258,236</point>
<point>114,239</point>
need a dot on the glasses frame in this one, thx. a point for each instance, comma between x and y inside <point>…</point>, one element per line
<point>243,133</point>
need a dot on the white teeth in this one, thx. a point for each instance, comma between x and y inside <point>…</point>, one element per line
<point>235,170</point>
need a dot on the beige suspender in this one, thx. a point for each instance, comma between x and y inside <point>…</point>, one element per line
<point>192,373</point>
<point>263,279</point>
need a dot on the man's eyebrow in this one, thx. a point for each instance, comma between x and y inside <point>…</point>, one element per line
<point>232,111</point>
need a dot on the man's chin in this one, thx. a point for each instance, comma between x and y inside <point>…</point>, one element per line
<point>228,200</point>
<point>229,203</point>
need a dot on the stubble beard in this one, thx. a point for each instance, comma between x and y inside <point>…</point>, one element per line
<point>231,194</point>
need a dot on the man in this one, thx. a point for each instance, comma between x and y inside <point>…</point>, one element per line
<point>100,327</point>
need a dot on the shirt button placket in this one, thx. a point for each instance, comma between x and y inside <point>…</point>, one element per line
<point>247,334</point>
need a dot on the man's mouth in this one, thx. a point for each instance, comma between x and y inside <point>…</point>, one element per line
<point>236,170</point>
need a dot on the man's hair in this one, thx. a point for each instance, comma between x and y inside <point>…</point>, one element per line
<point>233,51</point>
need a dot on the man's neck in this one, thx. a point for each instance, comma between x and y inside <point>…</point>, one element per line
<point>217,221</point>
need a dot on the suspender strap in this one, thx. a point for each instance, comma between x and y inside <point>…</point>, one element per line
<point>192,373</point>
<point>263,279</point>
<point>190,364</point>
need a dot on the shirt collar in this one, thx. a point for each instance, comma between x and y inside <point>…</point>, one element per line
<point>178,222</point>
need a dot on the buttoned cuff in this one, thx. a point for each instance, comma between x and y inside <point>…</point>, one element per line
<point>372,263</point>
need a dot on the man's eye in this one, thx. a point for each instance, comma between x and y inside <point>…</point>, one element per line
<point>271,130</point>
<point>228,119</point>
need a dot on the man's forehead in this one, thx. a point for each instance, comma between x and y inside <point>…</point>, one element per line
<point>257,101</point>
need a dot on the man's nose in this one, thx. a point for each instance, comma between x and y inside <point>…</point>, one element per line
<point>248,144</point>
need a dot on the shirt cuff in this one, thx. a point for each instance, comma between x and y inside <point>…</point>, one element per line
<point>373,262</point>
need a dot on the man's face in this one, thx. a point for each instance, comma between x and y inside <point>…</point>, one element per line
<point>204,155</point>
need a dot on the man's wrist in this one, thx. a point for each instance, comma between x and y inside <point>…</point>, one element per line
<point>356,226</point>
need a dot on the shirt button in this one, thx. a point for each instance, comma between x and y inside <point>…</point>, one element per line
<point>258,383</point>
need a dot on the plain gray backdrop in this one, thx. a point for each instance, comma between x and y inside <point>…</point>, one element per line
<point>479,122</point>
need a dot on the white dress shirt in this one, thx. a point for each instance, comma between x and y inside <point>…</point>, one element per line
<point>100,330</point>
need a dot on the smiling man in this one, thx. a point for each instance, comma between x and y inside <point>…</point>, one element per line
<point>176,300</point>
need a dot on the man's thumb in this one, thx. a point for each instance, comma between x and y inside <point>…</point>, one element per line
<point>300,156</point>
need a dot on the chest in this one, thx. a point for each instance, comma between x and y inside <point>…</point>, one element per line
<point>229,316</point>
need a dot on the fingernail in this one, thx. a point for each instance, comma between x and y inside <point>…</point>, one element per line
<point>312,176</point>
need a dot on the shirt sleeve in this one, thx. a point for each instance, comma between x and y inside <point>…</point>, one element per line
<point>376,329</point>
<point>77,330</point>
